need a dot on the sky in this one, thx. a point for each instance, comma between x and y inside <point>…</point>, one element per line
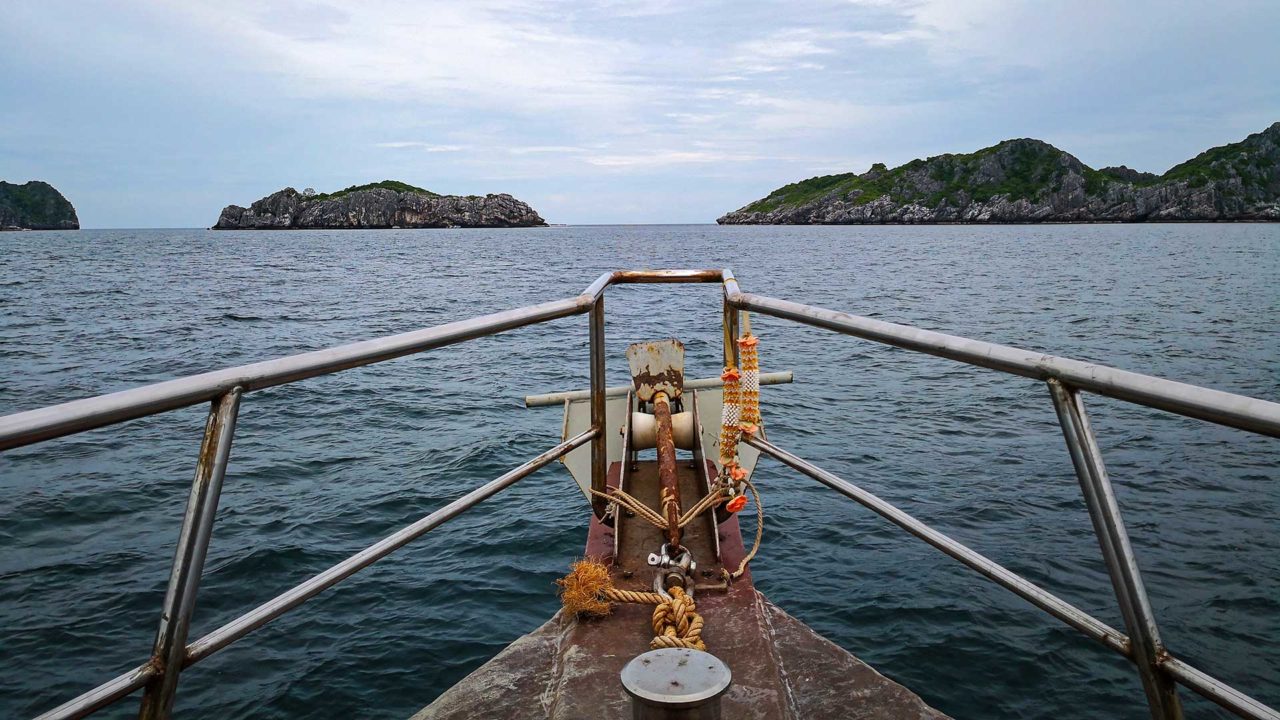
<point>159,113</point>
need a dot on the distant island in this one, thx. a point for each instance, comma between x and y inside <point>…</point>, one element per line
<point>386,204</point>
<point>35,205</point>
<point>1030,181</point>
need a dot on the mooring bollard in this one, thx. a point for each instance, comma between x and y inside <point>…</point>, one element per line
<point>676,684</point>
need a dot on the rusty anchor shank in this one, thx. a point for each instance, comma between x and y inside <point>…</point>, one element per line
<point>667,468</point>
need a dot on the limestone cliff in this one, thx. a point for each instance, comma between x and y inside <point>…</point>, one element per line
<point>1029,181</point>
<point>378,205</point>
<point>35,206</point>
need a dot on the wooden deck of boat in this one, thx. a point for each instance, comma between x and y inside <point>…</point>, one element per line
<point>568,669</point>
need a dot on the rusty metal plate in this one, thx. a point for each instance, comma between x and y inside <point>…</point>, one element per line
<point>657,366</point>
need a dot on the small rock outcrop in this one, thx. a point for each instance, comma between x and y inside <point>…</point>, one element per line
<point>387,204</point>
<point>1030,181</point>
<point>35,205</point>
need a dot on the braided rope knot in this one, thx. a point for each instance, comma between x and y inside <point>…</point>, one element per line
<point>677,624</point>
<point>587,590</point>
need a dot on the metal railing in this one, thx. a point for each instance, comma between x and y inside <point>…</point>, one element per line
<point>224,389</point>
<point>1157,668</point>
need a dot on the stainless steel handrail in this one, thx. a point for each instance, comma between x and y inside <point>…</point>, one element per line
<point>76,416</point>
<point>1239,411</point>
<point>224,389</point>
<point>1208,686</point>
<point>139,677</point>
<point>1020,586</point>
<point>279,605</point>
<point>1065,378</point>
<point>1158,670</point>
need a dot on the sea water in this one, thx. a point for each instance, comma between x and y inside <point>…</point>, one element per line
<point>322,468</point>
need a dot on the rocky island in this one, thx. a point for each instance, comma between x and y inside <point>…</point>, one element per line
<point>1030,181</point>
<point>35,205</point>
<point>386,204</point>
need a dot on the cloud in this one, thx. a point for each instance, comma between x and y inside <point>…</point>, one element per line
<point>688,118</point>
<point>669,158</point>
<point>482,53</point>
<point>876,38</point>
<point>556,149</point>
<point>789,49</point>
<point>427,147</point>
<point>706,98</point>
<point>642,8</point>
<point>661,158</point>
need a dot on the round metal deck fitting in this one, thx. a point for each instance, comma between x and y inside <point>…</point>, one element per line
<point>676,683</point>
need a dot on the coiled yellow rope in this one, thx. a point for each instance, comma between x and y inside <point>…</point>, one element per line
<point>676,623</point>
<point>588,590</point>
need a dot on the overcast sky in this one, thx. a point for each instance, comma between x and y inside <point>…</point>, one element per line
<point>159,113</point>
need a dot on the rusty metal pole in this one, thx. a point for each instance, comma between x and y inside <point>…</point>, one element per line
<point>599,446</point>
<point>188,561</point>
<point>667,477</point>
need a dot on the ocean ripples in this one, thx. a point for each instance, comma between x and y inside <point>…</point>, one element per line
<point>325,467</point>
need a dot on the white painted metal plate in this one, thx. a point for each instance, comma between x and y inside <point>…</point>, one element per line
<point>657,366</point>
<point>577,419</point>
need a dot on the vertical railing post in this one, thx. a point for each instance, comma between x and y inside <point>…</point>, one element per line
<point>1122,565</point>
<point>188,560</point>
<point>730,335</point>
<point>599,444</point>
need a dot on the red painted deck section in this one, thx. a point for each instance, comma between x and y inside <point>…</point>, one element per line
<point>569,668</point>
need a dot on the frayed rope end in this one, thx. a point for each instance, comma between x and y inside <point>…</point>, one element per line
<point>581,589</point>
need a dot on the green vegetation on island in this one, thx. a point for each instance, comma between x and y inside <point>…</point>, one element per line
<point>1028,180</point>
<point>395,185</point>
<point>35,205</point>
